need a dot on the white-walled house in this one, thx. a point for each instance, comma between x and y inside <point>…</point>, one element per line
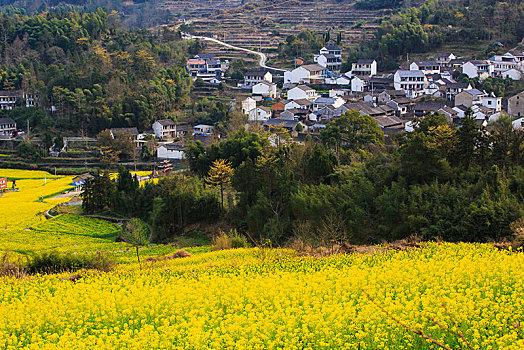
<point>513,74</point>
<point>428,67</point>
<point>503,63</point>
<point>337,92</point>
<point>518,123</point>
<point>7,126</point>
<point>444,58</point>
<point>248,104</point>
<point>338,80</point>
<point>357,84</point>
<point>331,49</point>
<point>492,102</point>
<point>259,114</point>
<point>164,129</point>
<point>412,82</point>
<point>302,92</point>
<point>265,89</point>
<point>298,104</point>
<point>311,73</point>
<point>477,68</point>
<point>364,68</point>
<point>322,102</point>
<point>253,77</point>
<point>170,151</point>
<point>203,129</point>
<point>331,62</point>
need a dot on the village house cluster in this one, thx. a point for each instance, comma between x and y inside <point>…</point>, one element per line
<point>303,100</point>
<point>314,94</point>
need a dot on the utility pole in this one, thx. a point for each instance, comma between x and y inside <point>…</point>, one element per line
<point>134,154</point>
<point>85,147</point>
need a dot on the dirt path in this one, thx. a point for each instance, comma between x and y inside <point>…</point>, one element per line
<point>67,195</point>
<point>262,57</point>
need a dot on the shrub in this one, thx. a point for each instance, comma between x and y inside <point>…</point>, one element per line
<point>56,262</point>
<point>10,269</point>
<point>230,240</point>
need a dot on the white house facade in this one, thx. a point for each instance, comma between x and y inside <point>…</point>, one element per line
<point>265,89</point>
<point>170,151</point>
<point>412,82</point>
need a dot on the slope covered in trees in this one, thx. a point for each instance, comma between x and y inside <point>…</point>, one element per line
<point>91,71</point>
<point>425,28</point>
<point>437,182</point>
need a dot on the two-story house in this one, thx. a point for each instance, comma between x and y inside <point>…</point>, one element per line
<point>516,105</point>
<point>444,58</point>
<point>412,82</point>
<point>302,92</point>
<point>264,89</point>
<point>206,68</point>
<point>253,77</point>
<point>7,126</point>
<point>165,129</point>
<point>478,68</point>
<point>469,97</point>
<point>306,74</point>
<point>364,68</point>
<point>452,89</point>
<point>428,67</point>
<point>331,49</point>
<point>10,99</point>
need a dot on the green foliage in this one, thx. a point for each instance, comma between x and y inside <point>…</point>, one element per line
<point>124,198</point>
<point>497,85</point>
<point>57,262</point>
<point>304,44</point>
<point>136,233</point>
<point>237,149</point>
<point>97,193</point>
<point>457,184</point>
<point>96,74</point>
<point>30,151</point>
<point>352,132</point>
<point>179,202</point>
<point>425,28</point>
<point>230,240</point>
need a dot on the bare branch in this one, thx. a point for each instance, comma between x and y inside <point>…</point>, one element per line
<point>412,330</point>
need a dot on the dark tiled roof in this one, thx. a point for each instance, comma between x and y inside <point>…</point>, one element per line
<point>166,122</point>
<point>6,121</point>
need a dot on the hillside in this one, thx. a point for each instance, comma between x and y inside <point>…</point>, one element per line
<point>94,72</point>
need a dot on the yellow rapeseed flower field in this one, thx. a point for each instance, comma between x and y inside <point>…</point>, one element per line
<point>19,210</point>
<point>272,299</point>
<point>460,295</point>
<point>24,231</point>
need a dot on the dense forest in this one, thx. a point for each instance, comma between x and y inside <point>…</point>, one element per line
<point>430,25</point>
<point>438,182</point>
<point>137,13</point>
<point>91,71</point>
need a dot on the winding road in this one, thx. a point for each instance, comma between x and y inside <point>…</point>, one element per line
<point>262,57</point>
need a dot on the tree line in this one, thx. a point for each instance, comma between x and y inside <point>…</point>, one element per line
<point>350,184</point>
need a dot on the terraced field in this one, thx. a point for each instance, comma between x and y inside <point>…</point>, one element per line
<point>265,24</point>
